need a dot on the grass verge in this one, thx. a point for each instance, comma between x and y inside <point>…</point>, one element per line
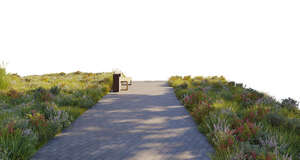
<point>33,109</point>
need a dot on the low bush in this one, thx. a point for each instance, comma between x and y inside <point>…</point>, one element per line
<point>55,90</point>
<point>275,119</point>
<point>42,95</point>
<point>16,143</point>
<point>289,103</point>
<point>175,81</point>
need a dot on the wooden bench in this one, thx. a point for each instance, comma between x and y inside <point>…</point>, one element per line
<point>124,83</point>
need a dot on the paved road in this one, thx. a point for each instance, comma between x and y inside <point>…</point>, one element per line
<point>145,123</point>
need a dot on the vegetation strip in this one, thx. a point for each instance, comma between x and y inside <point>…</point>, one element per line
<point>241,123</point>
<point>33,109</point>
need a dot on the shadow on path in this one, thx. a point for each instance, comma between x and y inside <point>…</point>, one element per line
<point>145,123</point>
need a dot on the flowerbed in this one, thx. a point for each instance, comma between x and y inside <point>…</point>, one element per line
<point>241,123</point>
<point>33,109</point>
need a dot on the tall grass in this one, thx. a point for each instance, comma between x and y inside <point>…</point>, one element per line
<point>3,78</point>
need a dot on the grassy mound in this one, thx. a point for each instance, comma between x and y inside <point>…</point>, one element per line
<point>241,123</point>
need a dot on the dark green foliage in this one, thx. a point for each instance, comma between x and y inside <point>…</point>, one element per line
<point>55,90</point>
<point>275,119</point>
<point>241,85</point>
<point>231,84</point>
<point>196,82</point>
<point>290,124</point>
<point>217,86</point>
<point>65,100</point>
<point>289,103</point>
<point>62,74</point>
<point>183,85</point>
<point>297,129</point>
<point>41,94</point>
<point>180,92</point>
<point>226,94</point>
<point>255,95</point>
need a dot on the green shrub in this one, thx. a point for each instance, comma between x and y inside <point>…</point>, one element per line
<point>183,85</point>
<point>226,94</point>
<point>74,112</point>
<point>94,93</point>
<point>231,84</point>
<point>187,78</point>
<point>216,86</point>
<point>175,81</point>
<point>77,72</point>
<point>55,90</point>
<point>46,120</point>
<point>293,125</point>
<point>14,96</point>
<point>42,95</point>
<point>86,102</point>
<point>196,82</point>
<point>246,131</point>
<point>201,111</point>
<point>180,93</point>
<point>107,86</point>
<point>62,74</point>
<point>249,97</point>
<point>297,129</point>
<point>289,103</point>
<point>267,101</point>
<point>65,100</point>
<point>275,119</point>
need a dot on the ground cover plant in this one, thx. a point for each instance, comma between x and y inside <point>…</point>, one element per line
<point>241,123</point>
<point>33,109</point>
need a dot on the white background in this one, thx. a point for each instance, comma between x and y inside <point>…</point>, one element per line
<point>255,42</point>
